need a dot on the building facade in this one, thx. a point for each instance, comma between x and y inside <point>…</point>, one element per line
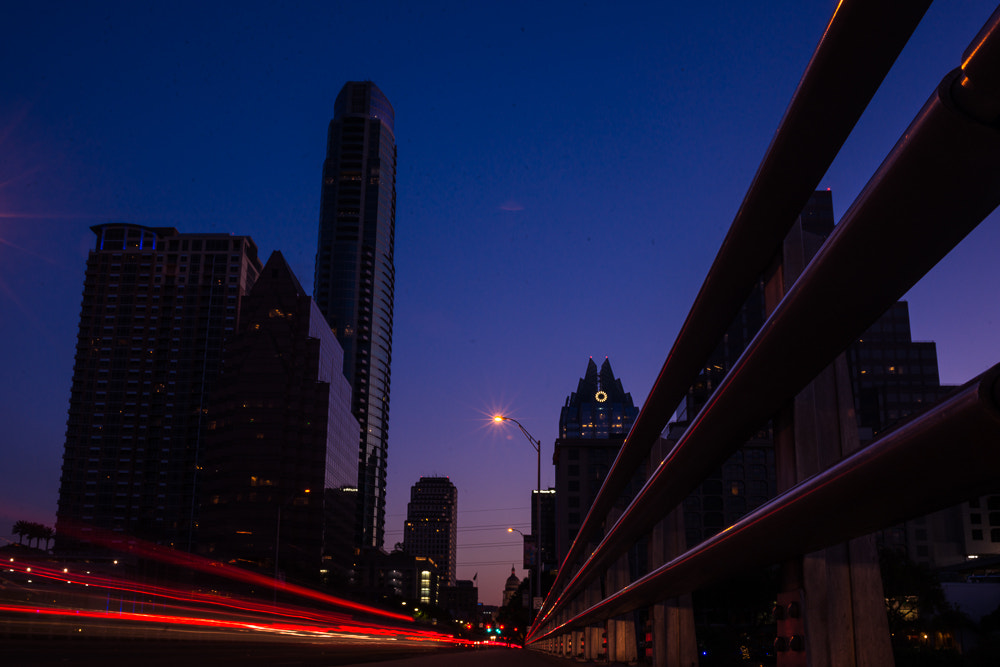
<point>157,306</point>
<point>392,577</point>
<point>461,601</point>
<point>355,277</point>
<point>894,377</point>
<point>547,532</point>
<point>748,477</point>
<point>280,435</point>
<point>592,427</point>
<point>510,588</point>
<point>431,528</point>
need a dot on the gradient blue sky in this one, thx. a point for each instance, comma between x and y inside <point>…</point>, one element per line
<point>566,173</point>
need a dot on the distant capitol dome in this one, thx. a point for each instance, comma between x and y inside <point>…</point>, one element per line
<point>510,590</point>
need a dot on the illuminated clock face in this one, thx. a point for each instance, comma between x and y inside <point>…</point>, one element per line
<point>600,396</point>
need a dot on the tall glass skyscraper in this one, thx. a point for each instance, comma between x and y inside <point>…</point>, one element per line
<point>355,276</point>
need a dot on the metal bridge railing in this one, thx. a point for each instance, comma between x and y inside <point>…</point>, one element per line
<point>940,180</point>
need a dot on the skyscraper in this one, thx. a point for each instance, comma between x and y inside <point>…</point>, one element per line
<point>592,427</point>
<point>748,478</point>
<point>355,276</point>
<point>157,305</point>
<point>894,377</point>
<point>599,408</point>
<point>432,524</point>
<point>547,530</point>
<point>281,438</point>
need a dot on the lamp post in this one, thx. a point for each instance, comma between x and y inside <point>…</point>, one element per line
<point>537,444</point>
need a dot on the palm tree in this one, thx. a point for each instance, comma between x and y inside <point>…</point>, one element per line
<point>36,531</point>
<point>48,534</point>
<point>20,529</point>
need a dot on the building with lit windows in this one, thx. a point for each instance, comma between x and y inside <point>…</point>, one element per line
<point>431,528</point>
<point>894,377</point>
<point>599,408</point>
<point>396,577</point>
<point>592,427</point>
<point>281,439</point>
<point>157,306</point>
<point>355,277</point>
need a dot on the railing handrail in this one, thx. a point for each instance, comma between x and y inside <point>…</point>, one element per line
<point>871,488</point>
<point>856,51</point>
<point>943,168</point>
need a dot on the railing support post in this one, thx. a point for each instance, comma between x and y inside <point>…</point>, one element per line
<point>593,649</point>
<point>674,640</point>
<point>831,607</point>
<point>620,630</point>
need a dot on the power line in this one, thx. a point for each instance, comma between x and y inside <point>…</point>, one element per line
<point>499,509</point>
<point>474,528</point>
<point>490,544</point>
<point>484,562</point>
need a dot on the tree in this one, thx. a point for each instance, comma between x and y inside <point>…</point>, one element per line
<point>37,532</point>
<point>922,623</point>
<point>20,529</point>
<point>911,591</point>
<point>32,530</point>
<point>48,534</point>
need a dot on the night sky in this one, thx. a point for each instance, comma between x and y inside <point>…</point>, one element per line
<point>566,174</point>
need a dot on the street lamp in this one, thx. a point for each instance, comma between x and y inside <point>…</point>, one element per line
<point>537,444</point>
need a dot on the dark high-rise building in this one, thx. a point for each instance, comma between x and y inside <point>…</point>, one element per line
<point>157,306</point>
<point>461,601</point>
<point>894,377</point>
<point>547,548</point>
<point>748,477</point>
<point>355,276</point>
<point>390,577</point>
<point>432,524</point>
<point>592,427</point>
<point>281,438</point>
<point>599,408</point>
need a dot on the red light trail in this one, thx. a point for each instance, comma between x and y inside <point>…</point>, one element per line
<point>60,595</point>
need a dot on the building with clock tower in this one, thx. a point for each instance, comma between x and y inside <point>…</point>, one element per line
<point>592,427</point>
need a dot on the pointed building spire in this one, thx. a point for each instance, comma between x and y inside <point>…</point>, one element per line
<point>599,408</point>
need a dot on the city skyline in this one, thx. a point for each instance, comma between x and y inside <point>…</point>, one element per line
<point>555,163</point>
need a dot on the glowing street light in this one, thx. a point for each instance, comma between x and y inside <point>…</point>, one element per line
<point>537,444</point>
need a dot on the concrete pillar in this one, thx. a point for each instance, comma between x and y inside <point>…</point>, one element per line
<point>831,610</point>
<point>593,649</point>
<point>674,640</point>
<point>620,630</point>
